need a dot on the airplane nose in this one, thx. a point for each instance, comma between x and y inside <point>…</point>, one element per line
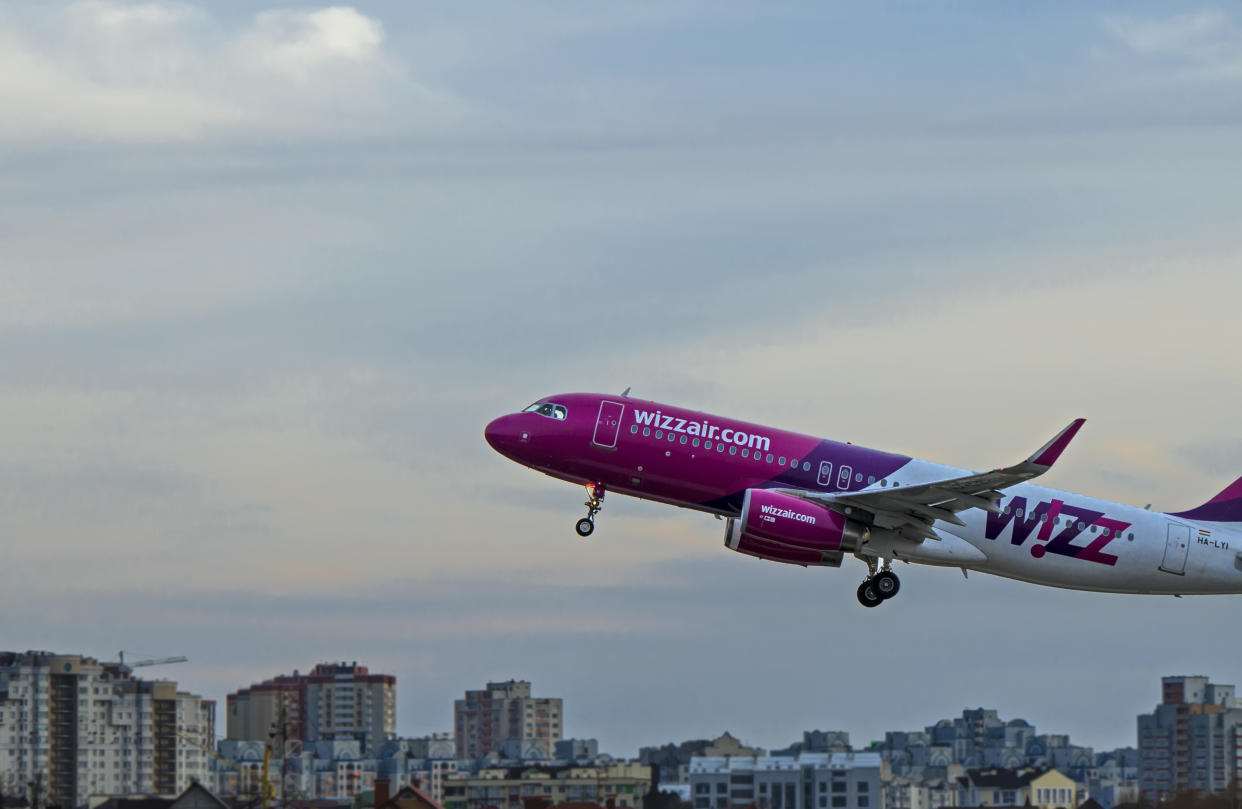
<point>501,434</point>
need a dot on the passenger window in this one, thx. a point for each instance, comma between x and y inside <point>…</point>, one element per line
<point>858,478</point>
<point>733,450</point>
<point>659,433</point>
<point>745,453</point>
<point>646,432</point>
<point>706,444</point>
<point>684,440</point>
<point>870,479</point>
<point>806,466</point>
<point>781,462</point>
<point>672,437</point>
<point>633,429</point>
<point>695,443</point>
<point>768,458</point>
<point>720,447</point>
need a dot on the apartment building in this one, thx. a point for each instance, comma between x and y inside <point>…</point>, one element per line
<point>504,718</point>
<point>1027,786</point>
<point>333,702</point>
<point>89,728</point>
<point>620,785</point>
<point>1192,740</point>
<point>806,781</point>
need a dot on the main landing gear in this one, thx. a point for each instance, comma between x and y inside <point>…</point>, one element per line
<point>595,501</point>
<point>879,586</point>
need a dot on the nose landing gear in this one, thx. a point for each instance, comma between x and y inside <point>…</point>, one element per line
<point>595,502</point>
<point>878,586</point>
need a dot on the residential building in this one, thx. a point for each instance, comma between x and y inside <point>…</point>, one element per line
<point>194,796</point>
<point>504,718</point>
<point>999,787</point>
<point>806,781</point>
<point>427,761</point>
<point>576,749</point>
<point>980,739</point>
<point>408,796</point>
<point>1192,740</point>
<point>334,702</point>
<point>87,727</point>
<point>673,760</point>
<point>815,741</point>
<point>619,785</point>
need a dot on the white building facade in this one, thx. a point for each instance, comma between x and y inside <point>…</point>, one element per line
<point>807,781</point>
<point>80,727</point>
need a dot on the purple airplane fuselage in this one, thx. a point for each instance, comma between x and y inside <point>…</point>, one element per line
<point>803,500</point>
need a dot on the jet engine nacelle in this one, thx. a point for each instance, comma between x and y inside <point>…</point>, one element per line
<point>773,518</point>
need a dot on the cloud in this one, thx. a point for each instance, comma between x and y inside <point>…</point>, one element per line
<point>302,45</point>
<point>1204,44</point>
<point>105,71</point>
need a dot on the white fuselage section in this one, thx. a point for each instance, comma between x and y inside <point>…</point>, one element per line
<point>1062,539</point>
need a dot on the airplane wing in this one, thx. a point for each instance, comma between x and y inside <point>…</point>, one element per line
<point>911,510</point>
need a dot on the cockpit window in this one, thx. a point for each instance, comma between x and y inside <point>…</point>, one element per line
<point>552,411</point>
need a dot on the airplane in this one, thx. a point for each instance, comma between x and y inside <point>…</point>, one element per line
<point>801,500</point>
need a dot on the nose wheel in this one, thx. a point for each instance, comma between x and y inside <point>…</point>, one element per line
<point>878,587</point>
<point>595,502</point>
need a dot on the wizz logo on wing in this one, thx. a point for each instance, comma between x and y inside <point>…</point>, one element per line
<point>1046,516</point>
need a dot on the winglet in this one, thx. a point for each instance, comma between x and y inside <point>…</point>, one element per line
<point>1047,455</point>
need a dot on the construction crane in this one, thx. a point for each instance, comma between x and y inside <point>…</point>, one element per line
<point>155,661</point>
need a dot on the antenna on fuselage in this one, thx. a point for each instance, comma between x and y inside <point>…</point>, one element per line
<point>625,392</point>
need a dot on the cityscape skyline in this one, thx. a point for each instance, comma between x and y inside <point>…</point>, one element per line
<point>270,269</point>
<point>370,674</point>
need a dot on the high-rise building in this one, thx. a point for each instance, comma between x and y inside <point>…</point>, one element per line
<point>806,781</point>
<point>504,718</point>
<point>81,727</point>
<point>1192,740</point>
<point>334,702</point>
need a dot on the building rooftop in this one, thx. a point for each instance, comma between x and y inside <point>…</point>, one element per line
<point>715,764</point>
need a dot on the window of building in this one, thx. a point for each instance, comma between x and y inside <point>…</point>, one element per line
<point>839,787</point>
<point>702,788</point>
<point>863,786</point>
<point>722,787</point>
<point>863,802</point>
<point>838,801</point>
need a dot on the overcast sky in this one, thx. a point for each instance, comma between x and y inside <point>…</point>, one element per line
<point>266,274</point>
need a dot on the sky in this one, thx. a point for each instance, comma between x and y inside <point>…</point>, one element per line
<point>267,270</point>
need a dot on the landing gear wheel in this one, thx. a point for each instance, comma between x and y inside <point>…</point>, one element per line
<point>595,501</point>
<point>867,595</point>
<point>886,584</point>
